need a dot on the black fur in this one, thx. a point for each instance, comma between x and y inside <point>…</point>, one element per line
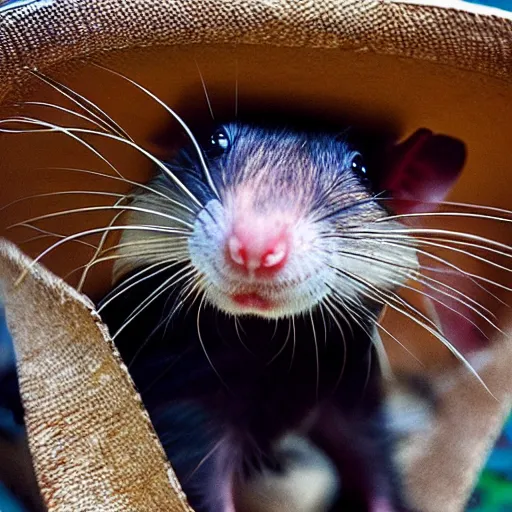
<point>257,402</point>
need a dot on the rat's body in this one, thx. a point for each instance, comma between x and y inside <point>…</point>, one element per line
<point>211,429</point>
<point>263,328</point>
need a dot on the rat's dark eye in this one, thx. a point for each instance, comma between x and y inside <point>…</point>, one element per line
<point>219,143</point>
<point>359,167</point>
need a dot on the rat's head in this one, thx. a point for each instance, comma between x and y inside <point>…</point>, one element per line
<point>280,222</point>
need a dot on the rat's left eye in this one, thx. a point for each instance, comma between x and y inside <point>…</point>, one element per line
<point>359,167</point>
<point>219,143</point>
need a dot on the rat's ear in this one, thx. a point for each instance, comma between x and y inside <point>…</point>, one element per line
<point>421,171</point>
<point>418,174</point>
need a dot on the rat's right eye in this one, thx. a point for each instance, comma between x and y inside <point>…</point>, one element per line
<point>219,143</point>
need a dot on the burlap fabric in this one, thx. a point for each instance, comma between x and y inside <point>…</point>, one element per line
<point>92,461</point>
<point>93,445</point>
<point>42,33</point>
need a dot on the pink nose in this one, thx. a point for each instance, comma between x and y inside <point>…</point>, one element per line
<point>256,252</point>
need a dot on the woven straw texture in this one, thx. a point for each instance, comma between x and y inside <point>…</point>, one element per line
<point>42,33</point>
<point>93,446</point>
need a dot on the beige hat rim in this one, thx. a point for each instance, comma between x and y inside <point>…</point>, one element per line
<point>455,33</point>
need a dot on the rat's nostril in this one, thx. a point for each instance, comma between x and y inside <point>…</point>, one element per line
<point>276,255</point>
<point>236,250</point>
<point>253,252</point>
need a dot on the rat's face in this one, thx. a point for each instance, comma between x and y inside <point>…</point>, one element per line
<point>282,222</point>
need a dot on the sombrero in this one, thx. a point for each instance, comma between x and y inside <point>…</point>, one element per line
<point>393,64</point>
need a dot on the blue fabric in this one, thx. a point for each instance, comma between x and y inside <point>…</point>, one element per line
<point>494,490</point>
<point>500,4</point>
<point>7,501</point>
<point>7,381</point>
<point>6,351</point>
<point>8,426</point>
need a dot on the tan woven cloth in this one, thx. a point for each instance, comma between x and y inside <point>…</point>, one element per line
<point>445,462</point>
<point>43,33</point>
<point>93,446</point>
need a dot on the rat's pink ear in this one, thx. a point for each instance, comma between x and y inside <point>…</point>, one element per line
<point>421,170</point>
<point>419,174</point>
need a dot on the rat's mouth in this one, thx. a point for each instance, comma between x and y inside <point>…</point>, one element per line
<point>252,301</point>
<point>265,297</point>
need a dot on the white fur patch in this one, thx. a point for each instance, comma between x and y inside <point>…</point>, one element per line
<point>309,482</point>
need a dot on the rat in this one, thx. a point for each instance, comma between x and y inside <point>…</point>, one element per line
<point>247,294</point>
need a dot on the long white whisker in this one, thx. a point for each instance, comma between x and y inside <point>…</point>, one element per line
<point>473,277</point>
<point>317,355</point>
<point>116,257</point>
<point>341,314</point>
<point>63,193</point>
<point>185,127</point>
<point>237,330</point>
<point>398,233</point>
<point>47,233</point>
<point>74,113</point>
<point>424,294</point>
<point>104,208</point>
<point>198,286</point>
<point>357,318</point>
<point>321,309</point>
<point>427,280</point>
<point>141,186</point>
<point>154,295</point>
<point>107,122</point>
<point>353,313</point>
<point>99,248</point>
<point>75,236</point>
<point>198,323</point>
<point>60,129</point>
<point>283,346</point>
<point>420,278</point>
<point>329,306</point>
<point>73,130</point>
<point>398,284</point>
<point>466,244</point>
<point>134,280</point>
<point>203,83</point>
<point>159,325</point>
<point>187,288</point>
<point>456,204</point>
<point>442,214</point>
<point>215,448</point>
<point>154,243</point>
<point>166,255</point>
<point>294,341</point>
<point>378,293</point>
<point>466,253</point>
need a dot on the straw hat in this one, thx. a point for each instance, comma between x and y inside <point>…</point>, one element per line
<point>390,65</point>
